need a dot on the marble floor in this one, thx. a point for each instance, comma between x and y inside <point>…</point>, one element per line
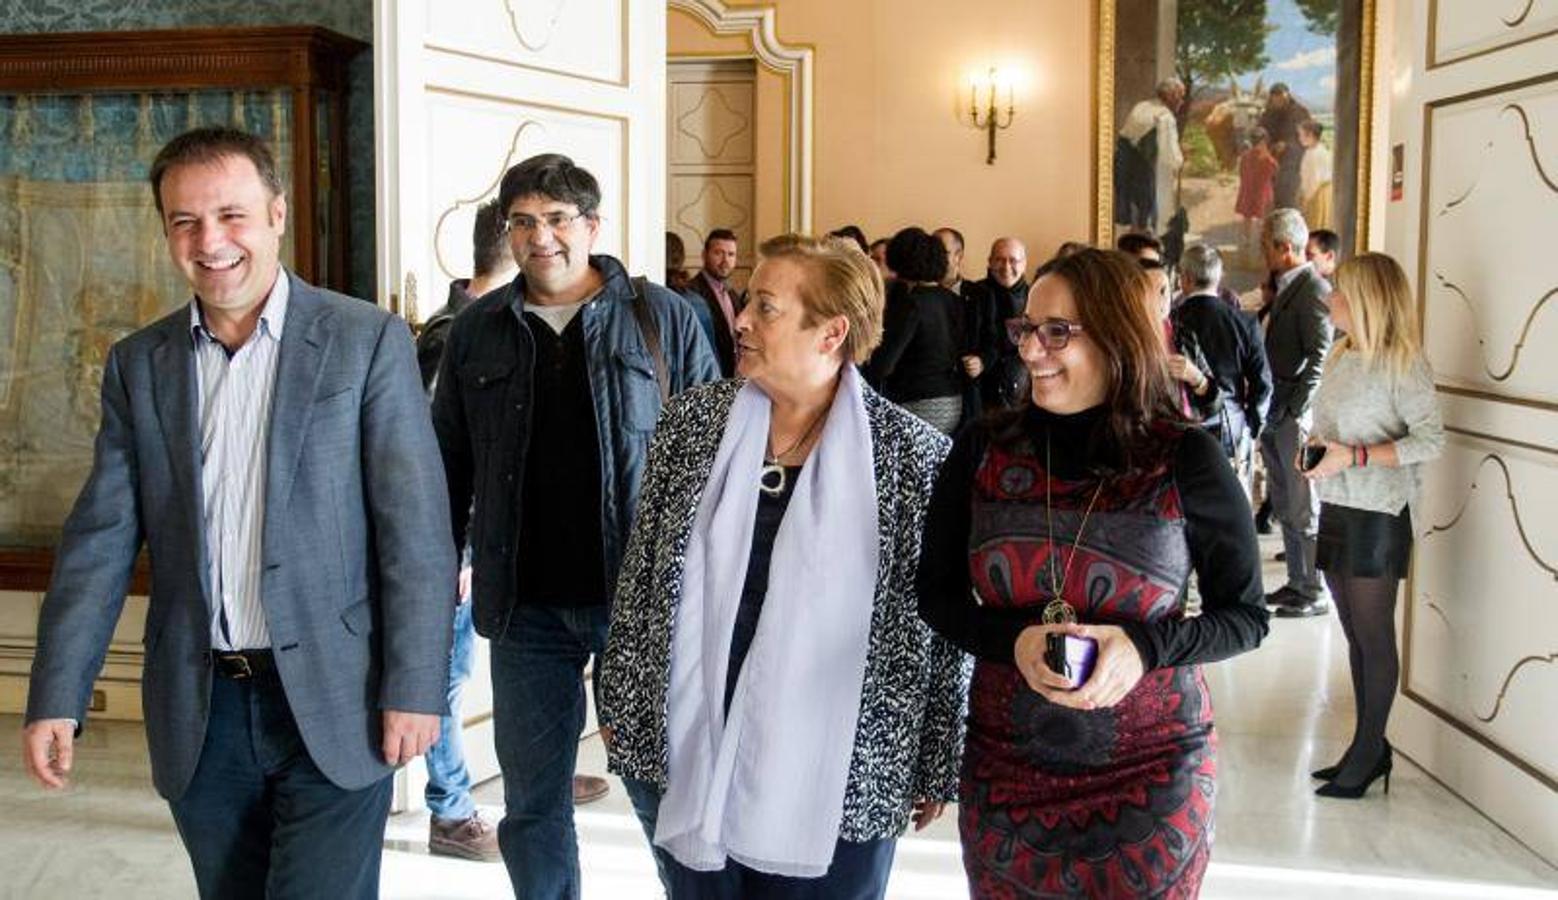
<point>1281,711</point>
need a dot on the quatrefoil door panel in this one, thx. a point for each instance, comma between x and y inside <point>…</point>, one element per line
<point>711,158</point>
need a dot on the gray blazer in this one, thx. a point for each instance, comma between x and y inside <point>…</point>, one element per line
<point>1298,336</point>
<point>359,567</point>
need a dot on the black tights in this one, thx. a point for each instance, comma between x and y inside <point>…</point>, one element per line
<point>1367,608</point>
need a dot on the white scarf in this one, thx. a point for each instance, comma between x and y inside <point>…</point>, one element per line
<point>765,785</point>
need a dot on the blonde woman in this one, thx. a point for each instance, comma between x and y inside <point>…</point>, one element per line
<point>1377,419</point>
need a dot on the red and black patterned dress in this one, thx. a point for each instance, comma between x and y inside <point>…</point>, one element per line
<point>1112,802</point>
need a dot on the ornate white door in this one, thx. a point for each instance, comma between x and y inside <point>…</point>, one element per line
<point>464,89</point>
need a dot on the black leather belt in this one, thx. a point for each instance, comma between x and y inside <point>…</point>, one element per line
<point>240,665</point>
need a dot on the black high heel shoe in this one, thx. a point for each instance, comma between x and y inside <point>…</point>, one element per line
<point>1329,773</point>
<point>1355,792</point>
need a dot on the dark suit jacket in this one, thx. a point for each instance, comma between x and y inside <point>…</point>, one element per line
<point>724,346</point>
<point>359,568</point>
<point>1298,336</point>
<point>1231,341</point>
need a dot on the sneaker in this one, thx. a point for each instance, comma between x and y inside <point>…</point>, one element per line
<point>471,839</point>
<point>588,789</point>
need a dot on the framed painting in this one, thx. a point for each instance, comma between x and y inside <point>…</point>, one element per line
<point>1211,113</point>
<point>82,257</point>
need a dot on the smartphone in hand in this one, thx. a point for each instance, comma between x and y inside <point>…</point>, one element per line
<point>1313,453</point>
<point>1071,656</point>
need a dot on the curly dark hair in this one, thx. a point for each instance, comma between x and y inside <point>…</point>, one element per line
<point>915,255</point>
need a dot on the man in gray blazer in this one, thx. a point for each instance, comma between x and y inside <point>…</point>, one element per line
<point>269,443</point>
<point>1298,336</point>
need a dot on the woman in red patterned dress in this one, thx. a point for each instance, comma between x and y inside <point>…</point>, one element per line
<point>1083,515</point>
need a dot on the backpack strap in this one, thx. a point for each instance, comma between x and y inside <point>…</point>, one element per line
<point>651,332</point>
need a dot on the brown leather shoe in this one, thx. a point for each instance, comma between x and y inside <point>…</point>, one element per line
<point>471,839</point>
<point>588,789</point>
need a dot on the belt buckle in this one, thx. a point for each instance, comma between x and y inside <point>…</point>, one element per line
<point>237,666</point>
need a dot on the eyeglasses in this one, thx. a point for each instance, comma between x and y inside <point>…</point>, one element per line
<point>1053,334</point>
<point>554,221</point>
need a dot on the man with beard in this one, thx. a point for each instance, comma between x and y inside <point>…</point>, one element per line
<point>720,252</point>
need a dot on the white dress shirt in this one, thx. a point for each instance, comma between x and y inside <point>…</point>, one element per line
<point>235,391</point>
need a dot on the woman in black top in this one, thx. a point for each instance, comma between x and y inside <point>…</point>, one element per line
<point>919,365</point>
<point>776,707</point>
<point>1082,517</point>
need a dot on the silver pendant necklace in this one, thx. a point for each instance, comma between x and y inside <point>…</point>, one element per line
<point>772,479</point>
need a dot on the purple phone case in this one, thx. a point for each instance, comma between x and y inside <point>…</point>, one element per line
<point>1081,654</point>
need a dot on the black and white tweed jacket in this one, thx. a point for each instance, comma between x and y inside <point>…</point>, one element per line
<point>909,741</point>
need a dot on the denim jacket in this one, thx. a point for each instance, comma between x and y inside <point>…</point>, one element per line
<point>482,408</point>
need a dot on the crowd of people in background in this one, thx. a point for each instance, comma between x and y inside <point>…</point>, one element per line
<point>818,535</point>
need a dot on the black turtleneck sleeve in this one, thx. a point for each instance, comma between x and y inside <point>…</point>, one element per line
<point>1226,558</point>
<point>1219,529</point>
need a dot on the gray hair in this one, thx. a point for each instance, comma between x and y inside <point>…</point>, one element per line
<point>1203,265</point>
<point>1286,226</point>
<point>1170,84</point>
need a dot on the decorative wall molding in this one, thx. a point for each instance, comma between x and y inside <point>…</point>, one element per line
<point>757,25</point>
<point>1465,649</point>
<point>533,44</point>
<point>1487,181</point>
<point>513,155</point>
<point>1514,509</point>
<point>1499,25</point>
<point>736,122</point>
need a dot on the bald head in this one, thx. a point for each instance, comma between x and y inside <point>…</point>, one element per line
<point>1008,261</point>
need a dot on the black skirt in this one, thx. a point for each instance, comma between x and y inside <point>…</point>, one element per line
<point>1363,544</point>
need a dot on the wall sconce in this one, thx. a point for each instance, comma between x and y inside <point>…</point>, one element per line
<point>992,122</point>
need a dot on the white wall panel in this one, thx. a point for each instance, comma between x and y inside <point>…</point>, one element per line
<point>1491,200</point>
<point>1480,618</point>
<point>496,134</point>
<point>580,38</point>
<point>1466,28</point>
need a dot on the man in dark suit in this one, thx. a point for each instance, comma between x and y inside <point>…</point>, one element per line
<point>1231,342</point>
<point>979,325</point>
<point>269,442</point>
<point>1298,336</point>
<point>720,252</point>
<point>1005,382</point>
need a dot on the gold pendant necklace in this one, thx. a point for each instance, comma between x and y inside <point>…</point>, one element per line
<point>1057,611</point>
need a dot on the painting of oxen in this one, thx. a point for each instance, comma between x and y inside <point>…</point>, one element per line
<point>1252,105</point>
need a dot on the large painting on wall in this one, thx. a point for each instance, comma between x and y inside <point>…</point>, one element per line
<point>1214,112</point>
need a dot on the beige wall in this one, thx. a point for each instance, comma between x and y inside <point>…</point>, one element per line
<point>892,144</point>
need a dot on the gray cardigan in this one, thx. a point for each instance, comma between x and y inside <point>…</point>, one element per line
<point>1359,403</point>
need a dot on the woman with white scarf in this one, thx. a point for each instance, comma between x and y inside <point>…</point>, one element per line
<point>772,701</point>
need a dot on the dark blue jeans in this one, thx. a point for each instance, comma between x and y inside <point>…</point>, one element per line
<point>448,781</point>
<point>538,709</point>
<point>260,820</point>
<point>859,871</point>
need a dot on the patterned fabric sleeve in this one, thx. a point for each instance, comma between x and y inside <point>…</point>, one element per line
<point>621,675</point>
<point>941,740</point>
<point>941,737</point>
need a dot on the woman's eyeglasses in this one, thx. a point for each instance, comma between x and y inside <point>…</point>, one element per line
<point>1053,334</point>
